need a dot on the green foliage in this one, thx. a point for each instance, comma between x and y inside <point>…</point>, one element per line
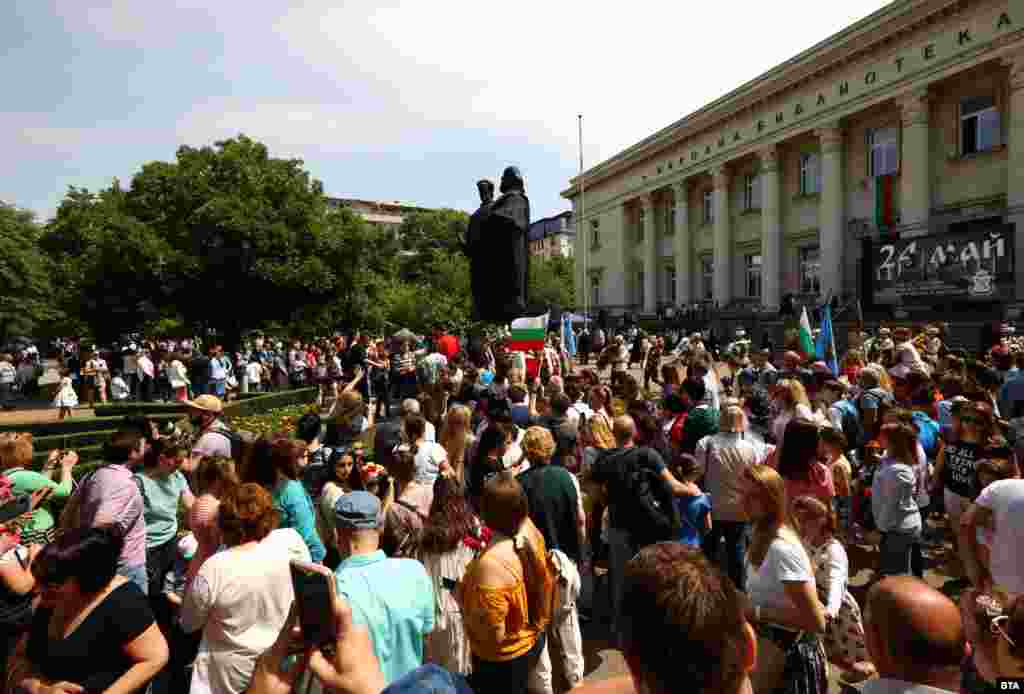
<point>552,281</point>
<point>25,275</point>
<point>229,238</point>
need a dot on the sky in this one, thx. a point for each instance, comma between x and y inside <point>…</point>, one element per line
<point>392,100</point>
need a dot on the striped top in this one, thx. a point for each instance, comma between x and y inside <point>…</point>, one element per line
<point>202,521</point>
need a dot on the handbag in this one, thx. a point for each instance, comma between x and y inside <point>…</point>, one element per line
<point>771,665</point>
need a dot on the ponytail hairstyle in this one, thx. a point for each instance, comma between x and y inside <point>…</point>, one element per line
<point>415,427</point>
<point>504,508</point>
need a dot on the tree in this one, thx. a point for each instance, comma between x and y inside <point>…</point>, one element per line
<point>226,236</point>
<point>25,287</point>
<point>427,235</point>
<point>552,281</point>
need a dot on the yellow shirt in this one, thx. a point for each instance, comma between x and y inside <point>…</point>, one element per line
<point>485,608</point>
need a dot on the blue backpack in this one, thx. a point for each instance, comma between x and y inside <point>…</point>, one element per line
<point>928,433</point>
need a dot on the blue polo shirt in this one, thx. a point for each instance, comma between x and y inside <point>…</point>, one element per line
<point>394,598</point>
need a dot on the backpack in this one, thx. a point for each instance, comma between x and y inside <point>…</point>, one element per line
<point>885,403</point>
<point>853,428</point>
<point>242,444</point>
<point>651,514</point>
<point>928,433</point>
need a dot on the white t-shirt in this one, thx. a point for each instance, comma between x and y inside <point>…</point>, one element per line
<point>429,457</point>
<point>1005,499</point>
<point>785,562</point>
<point>254,372</point>
<point>240,600</point>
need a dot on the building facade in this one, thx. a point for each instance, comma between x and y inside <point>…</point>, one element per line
<point>553,237</point>
<point>885,164</point>
<point>387,216</point>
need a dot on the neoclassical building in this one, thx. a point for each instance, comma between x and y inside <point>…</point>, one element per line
<point>885,163</point>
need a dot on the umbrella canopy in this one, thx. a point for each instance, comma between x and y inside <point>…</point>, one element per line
<point>405,335</point>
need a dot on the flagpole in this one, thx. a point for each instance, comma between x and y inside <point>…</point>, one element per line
<point>581,227</point>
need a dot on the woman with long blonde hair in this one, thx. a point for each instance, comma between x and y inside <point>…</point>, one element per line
<point>789,401</point>
<point>457,439</point>
<point>784,604</point>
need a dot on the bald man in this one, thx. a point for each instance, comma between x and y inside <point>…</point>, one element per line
<point>629,528</point>
<point>915,637</point>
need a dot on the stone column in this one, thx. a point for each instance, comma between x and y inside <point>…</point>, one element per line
<point>722,239</point>
<point>915,184</point>
<point>771,229</point>
<point>627,238</point>
<point>830,211</point>
<point>650,251</point>
<point>681,243</point>
<point>1015,165</point>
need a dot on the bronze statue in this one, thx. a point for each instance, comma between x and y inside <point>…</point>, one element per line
<point>497,247</point>
<point>472,245</point>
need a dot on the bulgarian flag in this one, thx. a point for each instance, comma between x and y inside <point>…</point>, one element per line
<point>528,333</point>
<point>885,206</point>
<point>806,343</point>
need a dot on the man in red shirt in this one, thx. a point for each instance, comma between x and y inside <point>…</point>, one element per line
<point>448,345</point>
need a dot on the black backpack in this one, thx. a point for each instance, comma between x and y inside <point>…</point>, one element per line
<point>650,513</point>
<point>853,428</point>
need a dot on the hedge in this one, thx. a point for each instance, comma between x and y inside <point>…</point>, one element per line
<point>78,425</point>
<point>250,404</point>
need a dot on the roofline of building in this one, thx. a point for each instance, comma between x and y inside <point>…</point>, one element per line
<point>567,213</point>
<point>861,37</point>
<point>380,204</point>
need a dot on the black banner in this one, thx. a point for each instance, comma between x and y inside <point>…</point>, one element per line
<point>972,265</point>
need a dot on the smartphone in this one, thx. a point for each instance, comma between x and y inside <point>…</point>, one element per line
<point>314,596</point>
<point>17,506</point>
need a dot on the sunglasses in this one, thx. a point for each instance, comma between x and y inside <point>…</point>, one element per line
<point>998,628</point>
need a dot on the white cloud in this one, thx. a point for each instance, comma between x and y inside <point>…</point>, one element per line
<point>404,79</point>
<point>535,65</point>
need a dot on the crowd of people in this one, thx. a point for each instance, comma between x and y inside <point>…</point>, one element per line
<point>710,498</point>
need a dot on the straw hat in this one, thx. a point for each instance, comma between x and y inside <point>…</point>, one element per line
<point>206,403</point>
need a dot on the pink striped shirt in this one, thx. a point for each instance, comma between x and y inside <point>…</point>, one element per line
<point>203,521</point>
<point>111,496</point>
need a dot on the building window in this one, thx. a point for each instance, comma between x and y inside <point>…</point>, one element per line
<point>979,125</point>
<point>707,278</point>
<point>752,263</point>
<point>709,207</point>
<point>640,288</point>
<point>670,278</point>
<point>810,174</point>
<point>810,270</point>
<point>640,226</point>
<point>752,192</point>
<point>670,220</point>
<point>885,151</point>
<point>595,234</point>
<point>595,290</point>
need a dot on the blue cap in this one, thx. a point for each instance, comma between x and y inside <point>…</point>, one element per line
<point>357,511</point>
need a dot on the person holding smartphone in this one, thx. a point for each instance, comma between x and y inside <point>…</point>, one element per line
<point>16,451</point>
<point>17,590</point>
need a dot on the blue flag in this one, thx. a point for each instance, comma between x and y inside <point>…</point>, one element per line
<point>825,345</point>
<point>568,336</point>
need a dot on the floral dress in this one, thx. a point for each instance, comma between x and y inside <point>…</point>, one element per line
<point>844,636</point>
